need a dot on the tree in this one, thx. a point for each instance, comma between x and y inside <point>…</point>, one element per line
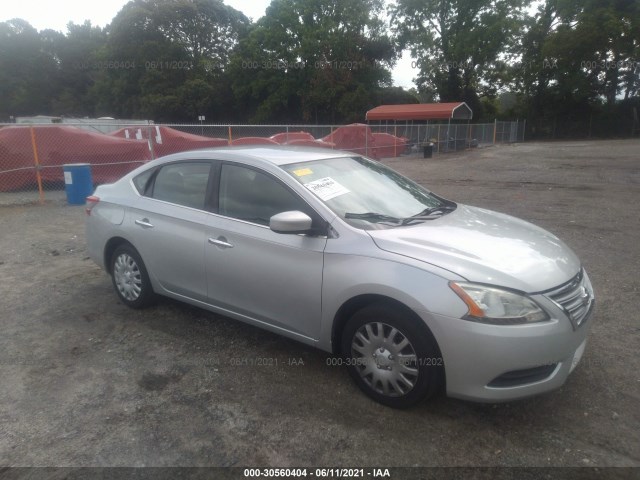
<point>178,49</point>
<point>458,45</point>
<point>578,56</point>
<point>76,55</point>
<point>314,60</point>
<point>207,29</point>
<point>599,42</point>
<point>27,71</point>
<point>397,96</point>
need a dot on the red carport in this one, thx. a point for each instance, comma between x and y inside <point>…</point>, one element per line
<point>406,116</point>
<point>421,111</point>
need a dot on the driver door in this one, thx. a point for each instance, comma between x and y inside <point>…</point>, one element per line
<point>269,277</point>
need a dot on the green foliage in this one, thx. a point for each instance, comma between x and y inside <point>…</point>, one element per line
<point>328,61</point>
<point>76,53</point>
<point>207,30</point>
<point>458,45</point>
<point>576,56</point>
<point>396,96</point>
<point>179,49</point>
<point>314,60</point>
<point>27,71</point>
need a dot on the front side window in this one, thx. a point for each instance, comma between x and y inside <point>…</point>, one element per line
<point>366,194</point>
<point>183,184</point>
<point>252,196</point>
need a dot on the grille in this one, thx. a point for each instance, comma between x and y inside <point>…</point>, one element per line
<point>575,298</point>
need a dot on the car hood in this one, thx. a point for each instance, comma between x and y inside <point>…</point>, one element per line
<point>487,247</point>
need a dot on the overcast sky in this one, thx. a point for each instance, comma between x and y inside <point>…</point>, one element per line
<point>43,14</point>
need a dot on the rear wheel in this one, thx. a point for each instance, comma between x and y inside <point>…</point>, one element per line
<point>130,278</point>
<point>393,358</point>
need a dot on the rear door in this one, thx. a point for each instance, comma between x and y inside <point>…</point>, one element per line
<point>270,277</point>
<point>169,223</point>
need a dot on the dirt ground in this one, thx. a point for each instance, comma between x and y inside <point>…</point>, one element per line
<point>89,382</point>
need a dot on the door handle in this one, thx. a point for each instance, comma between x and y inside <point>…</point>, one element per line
<point>144,223</point>
<point>220,242</point>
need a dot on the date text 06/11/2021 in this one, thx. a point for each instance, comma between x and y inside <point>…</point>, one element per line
<point>265,362</point>
<point>317,472</point>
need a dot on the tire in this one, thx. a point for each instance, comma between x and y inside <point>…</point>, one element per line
<point>392,356</point>
<point>130,278</point>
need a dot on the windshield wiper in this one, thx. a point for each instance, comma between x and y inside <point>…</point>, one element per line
<point>442,209</point>
<point>429,214</point>
<point>373,217</point>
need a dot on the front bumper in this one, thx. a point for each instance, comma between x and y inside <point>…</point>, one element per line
<point>493,363</point>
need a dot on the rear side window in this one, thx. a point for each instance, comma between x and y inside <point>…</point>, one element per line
<point>183,184</point>
<point>142,181</point>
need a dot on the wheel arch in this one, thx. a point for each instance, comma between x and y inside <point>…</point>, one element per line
<point>110,247</point>
<point>354,304</point>
<point>351,306</point>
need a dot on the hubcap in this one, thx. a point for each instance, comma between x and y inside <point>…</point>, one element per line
<point>385,359</point>
<point>127,277</point>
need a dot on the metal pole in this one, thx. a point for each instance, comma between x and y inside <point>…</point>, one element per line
<point>366,142</point>
<point>150,141</point>
<point>395,140</point>
<point>495,129</point>
<point>37,164</point>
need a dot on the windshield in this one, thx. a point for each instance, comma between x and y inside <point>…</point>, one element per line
<point>367,194</point>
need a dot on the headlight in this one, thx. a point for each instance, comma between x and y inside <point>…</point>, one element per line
<point>496,306</point>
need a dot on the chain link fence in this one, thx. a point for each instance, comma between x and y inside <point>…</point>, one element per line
<point>32,156</point>
<point>448,137</point>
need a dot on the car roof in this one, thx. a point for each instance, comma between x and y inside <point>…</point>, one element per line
<point>277,154</point>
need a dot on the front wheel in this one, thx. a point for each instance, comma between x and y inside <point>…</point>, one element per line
<point>392,357</point>
<point>130,278</point>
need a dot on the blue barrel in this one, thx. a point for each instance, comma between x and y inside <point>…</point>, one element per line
<point>78,183</point>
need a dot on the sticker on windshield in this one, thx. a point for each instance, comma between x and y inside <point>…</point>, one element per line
<point>301,172</point>
<point>326,188</point>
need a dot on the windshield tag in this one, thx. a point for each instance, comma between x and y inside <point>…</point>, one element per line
<point>326,188</point>
<point>301,172</point>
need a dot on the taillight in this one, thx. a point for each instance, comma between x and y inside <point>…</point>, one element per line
<point>92,201</point>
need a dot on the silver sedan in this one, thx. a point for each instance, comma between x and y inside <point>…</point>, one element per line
<point>413,293</point>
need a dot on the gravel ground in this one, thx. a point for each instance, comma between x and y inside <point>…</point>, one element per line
<point>89,382</point>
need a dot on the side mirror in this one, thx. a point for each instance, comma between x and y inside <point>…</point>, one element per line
<point>290,222</point>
